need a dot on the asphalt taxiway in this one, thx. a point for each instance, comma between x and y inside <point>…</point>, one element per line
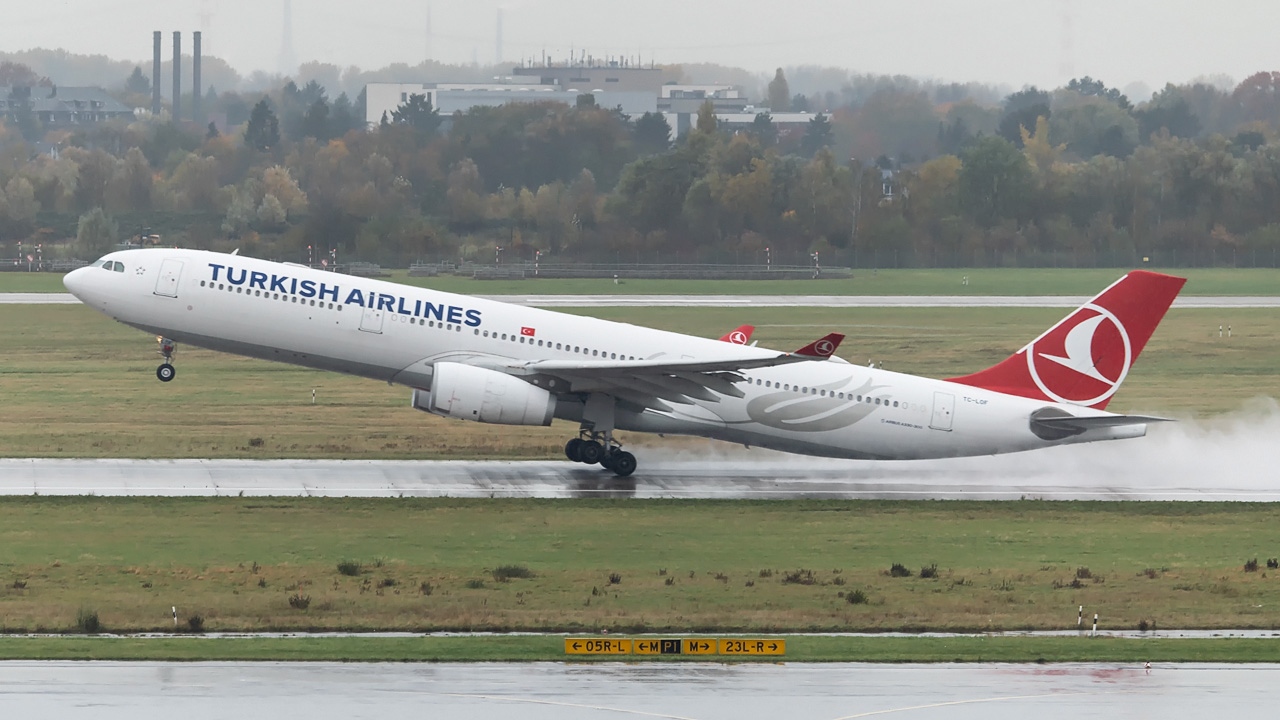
<point>831,301</point>
<point>319,691</point>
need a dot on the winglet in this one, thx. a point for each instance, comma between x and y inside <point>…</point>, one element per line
<point>822,348</point>
<point>739,336</point>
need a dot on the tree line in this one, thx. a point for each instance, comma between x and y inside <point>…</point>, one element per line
<point>1077,175</point>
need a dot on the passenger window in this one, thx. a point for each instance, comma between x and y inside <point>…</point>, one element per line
<point>504,336</point>
<point>895,403</point>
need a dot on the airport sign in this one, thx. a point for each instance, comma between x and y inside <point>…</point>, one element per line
<point>597,646</point>
<point>771,646</point>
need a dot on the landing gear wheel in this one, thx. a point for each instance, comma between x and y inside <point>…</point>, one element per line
<point>622,463</point>
<point>606,462</point>
<point>590,452</point>
<point>166,372</point>
<point>572,449</point>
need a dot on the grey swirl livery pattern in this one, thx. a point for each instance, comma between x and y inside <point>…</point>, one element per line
<point>787,410</point>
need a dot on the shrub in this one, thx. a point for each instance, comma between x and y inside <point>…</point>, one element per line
<point>475,584</point>
<point>670,581</point>
<point>929,572</point>
<point>766,573</point>
<point>838,581</point>
<point>255,442</point>
<point>1273,563</point>
<point>899,570</point>
<point>1083,573</point>
<point>350,568</point>
<point>798,577</point>
<point>195,624</point>
<point>614,578</point>
<point>1150,573</point>
<point>662,571</point>
<point>87,621</point>
<point>298,601</point>
<point>19,584</point>
<point>1251,565</point>
<point>503,573</point>
<point>262,582</point>
<point>387,582</point>
<point>426,588</point>
<point>857,597</point>
<point>1145,625</point>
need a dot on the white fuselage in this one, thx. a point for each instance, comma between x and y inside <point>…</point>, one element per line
<point>396,333</point>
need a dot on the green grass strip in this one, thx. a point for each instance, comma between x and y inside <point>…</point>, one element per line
<point>550,648</point>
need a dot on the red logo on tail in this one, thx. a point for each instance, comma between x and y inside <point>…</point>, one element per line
<point>1084,359</point>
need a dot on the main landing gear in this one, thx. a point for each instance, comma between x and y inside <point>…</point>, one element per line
<point>166,371</point>
<point>595,447</point>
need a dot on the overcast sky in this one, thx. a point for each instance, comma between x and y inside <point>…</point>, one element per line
<point>1014,42</point>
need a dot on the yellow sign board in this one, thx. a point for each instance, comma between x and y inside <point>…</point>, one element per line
<point>658,646</point>
<point>597,646</point>
<point>674,646</point>
<point>771,646</point>
<point>698,646</point>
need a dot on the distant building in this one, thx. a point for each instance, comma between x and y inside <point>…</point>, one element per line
<point>612,76</point>
<point>449,98</point>
<point>681,103</point>
<point>61,107</point>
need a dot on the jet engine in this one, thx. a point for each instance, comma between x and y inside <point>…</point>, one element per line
<point>465,392</point>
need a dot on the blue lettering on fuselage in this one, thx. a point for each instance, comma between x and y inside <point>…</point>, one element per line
<point>286,285</point>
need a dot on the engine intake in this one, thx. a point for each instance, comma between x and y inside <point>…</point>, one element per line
<point>465,392</point>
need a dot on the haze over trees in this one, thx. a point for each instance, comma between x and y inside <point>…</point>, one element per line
<point>890,171</point>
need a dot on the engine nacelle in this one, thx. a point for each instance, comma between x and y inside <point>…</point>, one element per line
<point>465,392</point>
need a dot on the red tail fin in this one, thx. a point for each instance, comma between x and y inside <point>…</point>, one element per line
<point>823,347</point>
<point>739,336</point>
<point>1083,359</point>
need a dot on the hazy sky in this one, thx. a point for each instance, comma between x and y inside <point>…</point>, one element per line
<point>1015,42</point>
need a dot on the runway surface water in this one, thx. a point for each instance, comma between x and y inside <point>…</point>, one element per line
<point>1231,458</point>
<point>792,691</point>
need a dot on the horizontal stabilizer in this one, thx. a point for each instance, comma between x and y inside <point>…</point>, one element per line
<point>1049,425</point>
<point>1102,421</point>
<point>822,348</point>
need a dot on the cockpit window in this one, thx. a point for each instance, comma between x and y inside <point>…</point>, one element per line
<point>119,267</point>
<point>106,265</point>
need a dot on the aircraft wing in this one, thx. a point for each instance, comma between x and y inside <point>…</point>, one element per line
<point>656,382</point>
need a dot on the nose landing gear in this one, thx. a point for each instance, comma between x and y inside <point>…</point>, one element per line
<point>166,371</point>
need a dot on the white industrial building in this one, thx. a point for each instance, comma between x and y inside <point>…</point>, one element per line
<point>449,98</point>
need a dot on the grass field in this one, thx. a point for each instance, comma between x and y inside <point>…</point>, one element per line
<point>998,281</point>
<point>76,384</point>
<point>632,566</point>
<point>497,649</point>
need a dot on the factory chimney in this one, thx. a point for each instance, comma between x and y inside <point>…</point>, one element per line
<point>177,75</point>
<point>196,91</point>
<point>155,73</point>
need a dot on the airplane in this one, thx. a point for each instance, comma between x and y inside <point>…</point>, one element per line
<point>482,360</point>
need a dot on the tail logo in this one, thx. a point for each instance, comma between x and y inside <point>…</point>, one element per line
<point>1096,352</point>
<point>737,337</point>
<point>824,348</point>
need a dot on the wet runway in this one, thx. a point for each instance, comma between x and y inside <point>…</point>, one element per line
<point>319,691</point>
<point>835,301</point>
<point>1229,459</point>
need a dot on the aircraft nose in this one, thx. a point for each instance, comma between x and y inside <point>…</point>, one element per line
<point>77,281</point>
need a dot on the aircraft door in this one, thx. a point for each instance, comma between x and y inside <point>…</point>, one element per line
<point>944,405</point>
<point>371,320</point>
<point>170,273</point>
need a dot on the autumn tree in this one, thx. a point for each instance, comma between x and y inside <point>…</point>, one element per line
<point>263,131</point>
<point>993,180</point>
